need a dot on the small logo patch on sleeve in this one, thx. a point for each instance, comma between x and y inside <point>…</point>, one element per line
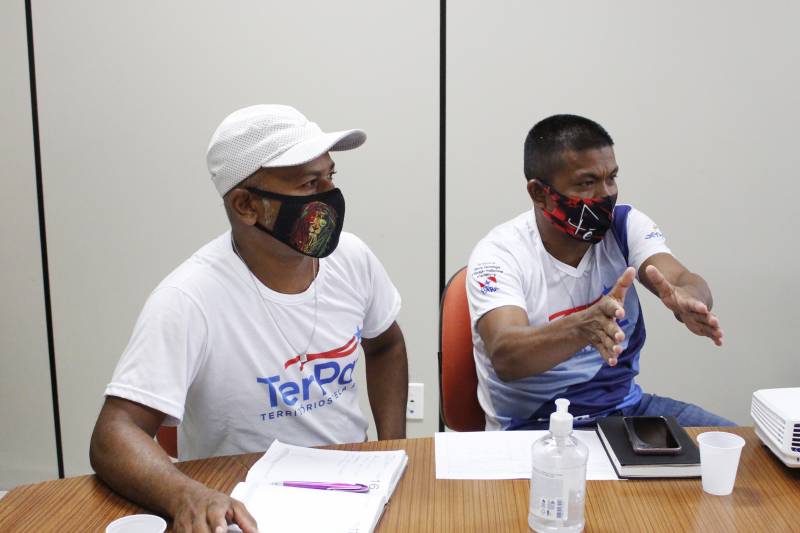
<point>655,233</point>
<point>485,275</point>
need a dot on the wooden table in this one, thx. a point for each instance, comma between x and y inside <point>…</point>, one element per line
<point>766,498</point>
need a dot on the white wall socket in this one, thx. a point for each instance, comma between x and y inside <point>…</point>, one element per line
<point>415,408</point>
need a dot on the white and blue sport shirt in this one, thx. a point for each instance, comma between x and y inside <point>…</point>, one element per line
<point>510,266</point>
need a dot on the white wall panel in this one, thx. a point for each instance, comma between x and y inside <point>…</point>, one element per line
<point>130,93</point>
<point>27,445</point>
<point>703,102</point>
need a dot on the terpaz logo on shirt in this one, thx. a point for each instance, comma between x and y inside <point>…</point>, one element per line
<point>330,379</point>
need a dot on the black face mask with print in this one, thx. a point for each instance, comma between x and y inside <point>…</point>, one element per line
<point>584,219</point>
<point>310,224</point>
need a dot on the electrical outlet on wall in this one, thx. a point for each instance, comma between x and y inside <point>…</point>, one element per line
<point>415,408</point>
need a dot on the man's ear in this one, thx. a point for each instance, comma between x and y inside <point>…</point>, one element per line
<point>537,194</point>
<point>242,206</point>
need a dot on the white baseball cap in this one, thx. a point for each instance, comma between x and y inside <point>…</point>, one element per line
<point>265,136</point>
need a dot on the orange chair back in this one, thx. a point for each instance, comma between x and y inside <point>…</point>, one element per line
<point>167,437</point>
<point>458,382</point>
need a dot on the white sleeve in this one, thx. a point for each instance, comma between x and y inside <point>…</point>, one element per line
<point>383,302</point>
<point>644,239</point>
<point>164,353</point>
<point>494,279</point>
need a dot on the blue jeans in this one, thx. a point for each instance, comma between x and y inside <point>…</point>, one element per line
<point>687,414</point>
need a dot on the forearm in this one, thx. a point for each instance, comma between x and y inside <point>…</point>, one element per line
<point>523,351</point>
<point>387,387</point>
<point>136,467</point>
<point>696,286</point>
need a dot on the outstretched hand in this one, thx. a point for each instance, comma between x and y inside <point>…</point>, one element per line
<point>687,308</point>
<point>599,325</point>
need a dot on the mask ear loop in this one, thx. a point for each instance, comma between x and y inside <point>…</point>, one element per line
<point>258,223</point>
<point>266,195</point>
<point>546,189</point>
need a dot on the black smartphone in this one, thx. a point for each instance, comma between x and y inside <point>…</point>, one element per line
<point>651,435</point>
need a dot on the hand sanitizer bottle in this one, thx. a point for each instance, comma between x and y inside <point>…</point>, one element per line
<point>558,479</point>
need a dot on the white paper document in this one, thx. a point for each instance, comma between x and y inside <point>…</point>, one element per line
<point>303,510</point>
<point>505,455</point>
<point>379,470</point>
<point>281,508</point>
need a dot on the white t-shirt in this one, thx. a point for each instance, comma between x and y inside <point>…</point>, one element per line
<point>510,266</point>
<point>216,351</point>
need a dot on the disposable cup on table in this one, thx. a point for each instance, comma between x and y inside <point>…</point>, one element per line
<point>719,460</point>
<point>138,523</point>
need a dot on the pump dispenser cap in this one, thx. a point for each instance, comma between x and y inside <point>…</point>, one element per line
<point>560,419</point>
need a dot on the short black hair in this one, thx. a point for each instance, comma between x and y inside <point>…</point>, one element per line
<point>550,137</point>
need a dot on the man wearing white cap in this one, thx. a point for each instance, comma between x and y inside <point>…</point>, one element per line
<point>257,335</point>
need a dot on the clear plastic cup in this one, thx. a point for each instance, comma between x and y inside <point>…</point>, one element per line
<point>137,523</point>
<point>719,460</point>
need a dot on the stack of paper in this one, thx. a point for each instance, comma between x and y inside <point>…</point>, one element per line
<point>279,508</point>
<point>505,455</point>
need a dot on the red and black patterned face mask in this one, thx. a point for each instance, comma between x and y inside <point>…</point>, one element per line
<point>584,219</point>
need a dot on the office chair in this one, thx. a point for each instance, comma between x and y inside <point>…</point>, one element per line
<point>167,437</point>
<point>458,383</point>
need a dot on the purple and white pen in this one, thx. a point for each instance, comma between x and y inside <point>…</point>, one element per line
<point>322,485</point>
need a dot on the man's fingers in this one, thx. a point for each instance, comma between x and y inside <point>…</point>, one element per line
<point>612,309</point>
<point>612,358</point>
<point>608,344</point>
<point>243,518</point>
<point>603,332</point>
<point>705,330</point>
<point>615,333</point>
<point>623,283</point>
<point>200,524</point>
<point>216,518</point>
<point>714,333</point>
<point>605,353</point>
<point>660,283</point>
<point>707,319</point>
<point>182,523</point>
<point>613,353</point>
<point>608,348</point>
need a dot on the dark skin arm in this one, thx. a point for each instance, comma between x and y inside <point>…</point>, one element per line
<point>125,456</point>
<point>684,293</point>
<point>387,381</point>
<point>518,350</point>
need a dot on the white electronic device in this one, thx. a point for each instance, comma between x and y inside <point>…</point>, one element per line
<point>776,413</point>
